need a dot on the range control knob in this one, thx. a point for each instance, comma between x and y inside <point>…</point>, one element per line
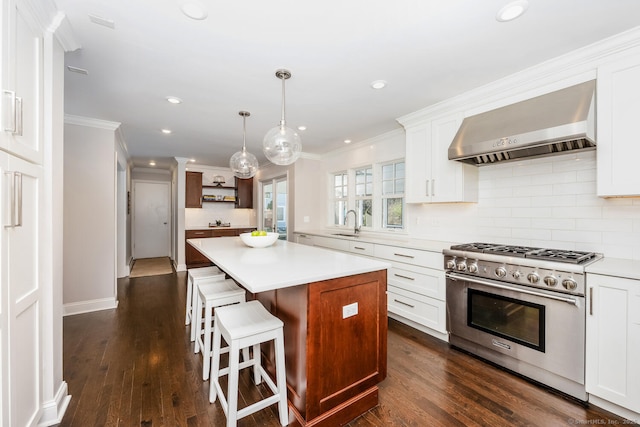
<point>569,284</point>
<point>473,268</point>
<point>501,272</point>
<point>550,281</point>
<point>516,274</point>
<point>451,264</point>
<point>533,278</point>
<point>462,265</point>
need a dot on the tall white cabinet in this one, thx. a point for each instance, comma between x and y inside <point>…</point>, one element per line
<point>32,391</point>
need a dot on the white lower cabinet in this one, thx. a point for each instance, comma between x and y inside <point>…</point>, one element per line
<point>415,282</point>
<point>613,343</point>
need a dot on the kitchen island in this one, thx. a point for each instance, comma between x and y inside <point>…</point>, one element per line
<point>334,309</point>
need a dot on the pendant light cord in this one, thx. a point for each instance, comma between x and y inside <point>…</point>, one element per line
<point>282,122</point>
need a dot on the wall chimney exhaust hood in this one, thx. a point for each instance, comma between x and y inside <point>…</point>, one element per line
<point>549,124</point>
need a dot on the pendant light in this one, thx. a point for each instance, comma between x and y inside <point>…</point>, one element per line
<point>244,164</point>
<point>282,145</point>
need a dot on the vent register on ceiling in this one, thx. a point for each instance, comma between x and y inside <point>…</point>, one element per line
<point>549,124</point>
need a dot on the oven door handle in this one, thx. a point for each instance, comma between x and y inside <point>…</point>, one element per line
<point>455,277</point>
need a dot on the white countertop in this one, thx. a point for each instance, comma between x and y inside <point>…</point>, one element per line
<point>617,267</point>
<point>282,265</point>
<point>404,241</point>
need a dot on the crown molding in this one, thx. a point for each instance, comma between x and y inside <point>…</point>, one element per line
<point>91,122</point>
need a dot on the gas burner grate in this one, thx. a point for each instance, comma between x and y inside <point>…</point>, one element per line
<point>473,247</point>
<point>559,255</point>
<point>517,251</point>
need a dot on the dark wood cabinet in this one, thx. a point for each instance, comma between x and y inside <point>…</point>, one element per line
<point>242,192</point>
<point>193,190</point>
<point>193,257</point>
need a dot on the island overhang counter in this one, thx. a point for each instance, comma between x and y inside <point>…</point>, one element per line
<point>334,309</point>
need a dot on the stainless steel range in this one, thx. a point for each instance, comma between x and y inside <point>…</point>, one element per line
<point>522,308</point>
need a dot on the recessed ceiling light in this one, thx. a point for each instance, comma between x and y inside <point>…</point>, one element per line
<point>512,10</point>
<point>378,84</point>
<point>77,70</point>
<point>302,128</point>
<point>192,160</point>
<point>347,141</point>
<point>152,163</point>
<point>174,100</point>
<point>166,131</point>
<point>194,10</point>
<point>105,22</point>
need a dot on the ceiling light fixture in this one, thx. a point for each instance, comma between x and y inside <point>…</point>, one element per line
<point>244,164</point>
<point>194,10</point>
<point>166,131</point>
<point>282,145</point>
<point>302,128</point>
<point>378,84</point>
<point>173,100</point>
<point>152,163</point>
<point>512,10</point>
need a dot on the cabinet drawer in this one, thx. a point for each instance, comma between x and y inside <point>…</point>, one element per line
<point>425,311</point>
<point>361,248</point>
<point>305,239</point>
<point>328,242</point>
<point>196,234</point>
<point>424,281</point>
<point>410,256</point>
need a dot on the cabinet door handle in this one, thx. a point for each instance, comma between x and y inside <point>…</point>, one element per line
<point>404,303</point>
<point>16,199</point>
<point>591,301</point>
<point>12,127</point>
<point>403,277</point>
<point>18,117</point>
<point>359,248</point>
<point>427,189</point>
<point>403,255</point>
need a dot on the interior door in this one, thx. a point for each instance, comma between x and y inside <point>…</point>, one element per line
<point>274,206</point>
<point>151,219</point>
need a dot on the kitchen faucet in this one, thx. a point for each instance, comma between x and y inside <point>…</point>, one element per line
<point>356,229</point>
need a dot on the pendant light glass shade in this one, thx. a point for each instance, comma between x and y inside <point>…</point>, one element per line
<point>243,164</point>
<point>282,145</point>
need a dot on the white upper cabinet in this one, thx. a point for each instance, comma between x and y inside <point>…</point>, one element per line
<point>22,77</point>
<point>618,140</point>
<point>431,176</point>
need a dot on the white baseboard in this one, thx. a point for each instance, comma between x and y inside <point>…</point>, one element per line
<point>180,267</point>
<point>53,410</point>
<point>630,415</point>
<point>89,306</point>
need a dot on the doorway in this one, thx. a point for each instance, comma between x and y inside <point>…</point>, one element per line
<point>274,206</point>
<point>151,219</point>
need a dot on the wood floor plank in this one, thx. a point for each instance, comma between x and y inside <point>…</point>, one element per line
<point>135,366</point>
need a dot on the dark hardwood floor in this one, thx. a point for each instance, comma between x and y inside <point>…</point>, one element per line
<point>135,366</point>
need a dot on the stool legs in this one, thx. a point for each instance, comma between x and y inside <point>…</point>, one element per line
<point>189,310</point>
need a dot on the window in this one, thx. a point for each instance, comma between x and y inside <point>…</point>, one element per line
<point>364,196</point>
<point>340,194</point>
<point>274,218</point>
<point>393,195</point>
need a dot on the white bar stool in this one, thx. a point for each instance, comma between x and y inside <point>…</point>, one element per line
<point>244,325</point>
<point>212,294</point>
<point>193,277</point>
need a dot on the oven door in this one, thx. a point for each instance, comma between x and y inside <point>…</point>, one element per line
<point>536,333</point>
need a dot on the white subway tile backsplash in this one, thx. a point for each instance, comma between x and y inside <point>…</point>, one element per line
<point>546,202</point>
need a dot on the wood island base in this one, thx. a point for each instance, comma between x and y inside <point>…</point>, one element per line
<point>335,334</point>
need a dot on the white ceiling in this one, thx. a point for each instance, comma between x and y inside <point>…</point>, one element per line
<point>427,51</point>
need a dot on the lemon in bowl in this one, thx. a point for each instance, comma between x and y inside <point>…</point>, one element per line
<point>259,238</point>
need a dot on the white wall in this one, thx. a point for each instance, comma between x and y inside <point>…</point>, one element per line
<point>89,216</point>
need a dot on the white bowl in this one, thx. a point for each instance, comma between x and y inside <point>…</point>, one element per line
<point>259,241</point>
